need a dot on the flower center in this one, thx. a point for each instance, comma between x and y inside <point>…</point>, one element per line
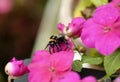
<point>107,29</point>
<point>52,69</point>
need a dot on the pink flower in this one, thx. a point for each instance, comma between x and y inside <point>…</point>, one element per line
<point>103,30</point>
<point>117,79</point>
<point>74,27</point>
<point>16,68</point>
<point>116,4</point>
<point>89,79</point>
<point>40,55</point>
<point>68,77</point>
<point>104,15</point>
<point>5,6</point>
<point>51,68</point>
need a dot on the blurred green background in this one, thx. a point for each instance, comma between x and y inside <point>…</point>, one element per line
<point>18,29</point>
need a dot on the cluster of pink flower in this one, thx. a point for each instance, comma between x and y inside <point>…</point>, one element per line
<point>101,31</point>
<point>45,67</point>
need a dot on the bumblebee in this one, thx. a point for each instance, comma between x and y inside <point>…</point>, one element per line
<point>56,41</point>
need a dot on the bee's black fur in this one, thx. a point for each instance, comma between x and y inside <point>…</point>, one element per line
<point>56,41</point>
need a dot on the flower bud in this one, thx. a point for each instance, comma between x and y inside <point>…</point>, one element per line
<point>75,27</point>
<point>61,27</point>
<point>16,68</point>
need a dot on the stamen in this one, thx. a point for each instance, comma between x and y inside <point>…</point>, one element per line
<point>52,69</point>
<point>106,29</point>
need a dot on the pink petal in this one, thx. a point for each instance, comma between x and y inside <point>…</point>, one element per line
<point>116,3</point>
<point>76,26</point>
<point>69,77</point>
<point>104,15</point>
<point>23,70</point>
<point>38,76</point>
<point>62,61</point>
<point>116,28</point>
<point>61,27</point>
<point>89,79</point>
<point>106,44</point>
<point>90,32</point>
<point>40,55</point>
<point>39,72</point>
<point>40,65</point>
<point>68,47</point>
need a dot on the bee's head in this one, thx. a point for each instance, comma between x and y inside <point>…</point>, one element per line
<point>53,37</point>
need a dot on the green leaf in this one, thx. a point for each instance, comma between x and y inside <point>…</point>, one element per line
<point>77,65</point>
<point>92,60</point>
<point>112,63</point>
<point>99,2</point>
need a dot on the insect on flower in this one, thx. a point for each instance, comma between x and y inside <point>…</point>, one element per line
<point>56,42</point>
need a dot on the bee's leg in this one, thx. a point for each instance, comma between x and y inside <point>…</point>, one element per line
<point>53,50</point>
<point>50,50</point>
<point>67,44</point>
<point>60,48</point>
<point>46,46</point>
<point>57,47</point>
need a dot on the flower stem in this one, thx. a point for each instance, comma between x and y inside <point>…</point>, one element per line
<point>106,78</point>
<point>9,79</point>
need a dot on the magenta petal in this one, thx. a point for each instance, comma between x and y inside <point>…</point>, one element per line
<point>104,15</point>
<point>40,55</point>
<point>76,26</point>
<point>89,79</point>
<point>39,71</point>
<point>90,32</point>
<point>61,27</point>
<point>62,61</point>
<point>68,77</point>
<point>88,40</point>
<point>71,77</point>
<point>40,65</point>
<point>115,3</point>
<point>107,44</point>
<point>67,47</point>
<point>39,76</point>
<point>116,28</point>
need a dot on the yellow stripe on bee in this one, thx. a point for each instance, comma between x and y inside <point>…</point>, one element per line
<point>52,40</point>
